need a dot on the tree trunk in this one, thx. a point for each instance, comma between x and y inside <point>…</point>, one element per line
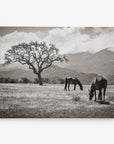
<point>40,79</point>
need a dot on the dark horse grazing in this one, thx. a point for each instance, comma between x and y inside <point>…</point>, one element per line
<point>74,81</point>
<point>98,83</point>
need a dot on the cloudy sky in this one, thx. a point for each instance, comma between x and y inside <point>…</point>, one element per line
<point>67,39</point>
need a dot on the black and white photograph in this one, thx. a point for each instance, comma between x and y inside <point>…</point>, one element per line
<point>56,72</point>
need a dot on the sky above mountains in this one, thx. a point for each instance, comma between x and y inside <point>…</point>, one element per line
<point>66,39</point>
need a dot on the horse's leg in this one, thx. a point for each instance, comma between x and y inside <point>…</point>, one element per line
<point>95,95</point>
<point>74,86</point>
<point>66,81</point>
<point>68,86</point>
<point>104,93</point>
<point>100,95</point>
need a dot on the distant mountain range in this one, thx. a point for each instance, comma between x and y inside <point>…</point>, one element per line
<point>101,62</point>
<point>83,65</point>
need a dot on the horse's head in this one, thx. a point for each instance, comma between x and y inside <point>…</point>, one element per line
<point>90,94</point>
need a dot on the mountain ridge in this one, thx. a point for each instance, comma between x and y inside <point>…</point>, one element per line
<point>83,65</point>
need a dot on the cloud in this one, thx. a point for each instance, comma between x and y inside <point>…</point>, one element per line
<point>73,40</point>
<point>67,39</point>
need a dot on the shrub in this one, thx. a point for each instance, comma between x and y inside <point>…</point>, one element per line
<point>76,98</point>
<point>13,81</point>
<point>46,80</point>
<point>8,80</point>
<point>25,80</point>
<point>62,81</point>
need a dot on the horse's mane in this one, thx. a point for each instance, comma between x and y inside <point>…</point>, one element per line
<point>98,79</point>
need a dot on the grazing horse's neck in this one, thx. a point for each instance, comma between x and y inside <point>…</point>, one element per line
<point>92,87</point>
<point>80,85</point>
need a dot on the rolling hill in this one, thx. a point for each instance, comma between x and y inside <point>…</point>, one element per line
<point>53,73</point>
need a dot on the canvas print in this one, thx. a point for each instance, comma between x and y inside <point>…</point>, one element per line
<point>56,72</point>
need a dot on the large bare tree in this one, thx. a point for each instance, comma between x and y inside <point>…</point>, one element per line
<point>38,56</point>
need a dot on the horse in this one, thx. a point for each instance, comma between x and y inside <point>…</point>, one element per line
<point>75,81</point>
<point>98,83</point>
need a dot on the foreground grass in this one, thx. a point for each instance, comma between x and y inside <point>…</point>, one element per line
<point>51,101</point>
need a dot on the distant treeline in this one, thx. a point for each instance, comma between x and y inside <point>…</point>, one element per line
<point>35,81</point>
<point>56,80</point>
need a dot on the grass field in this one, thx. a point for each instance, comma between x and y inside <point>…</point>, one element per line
<point>51,101</point>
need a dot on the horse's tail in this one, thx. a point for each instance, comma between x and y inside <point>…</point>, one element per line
<point>65,84</point>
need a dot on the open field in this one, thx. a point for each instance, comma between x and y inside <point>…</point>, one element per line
<point>34,101</point>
